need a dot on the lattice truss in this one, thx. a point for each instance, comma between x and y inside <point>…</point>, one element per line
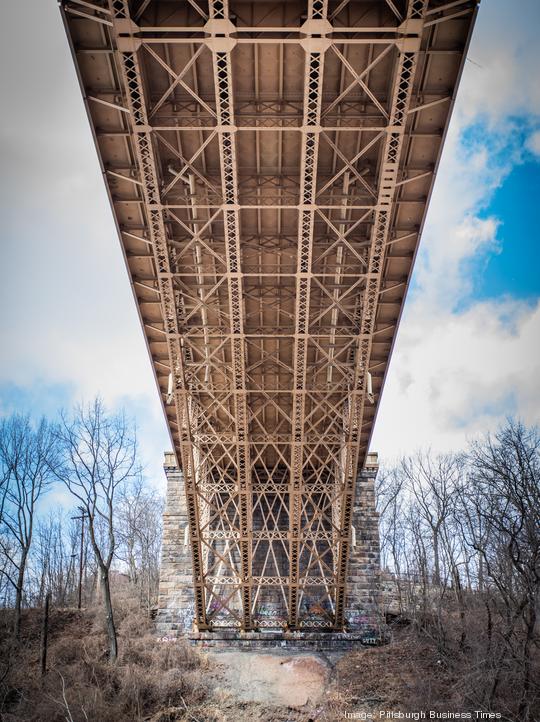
<point>268,164</point>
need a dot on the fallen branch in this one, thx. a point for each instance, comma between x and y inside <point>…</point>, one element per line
<point>192,717</point>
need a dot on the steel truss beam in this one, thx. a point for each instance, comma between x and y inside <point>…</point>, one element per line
<point>146,161</point>
<point>221,58</point>
<point>313,79</point>
<point>269,184</point>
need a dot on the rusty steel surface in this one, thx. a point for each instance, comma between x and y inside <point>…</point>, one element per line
<point>269,166</point>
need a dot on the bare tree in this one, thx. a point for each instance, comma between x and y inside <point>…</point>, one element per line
<point>100,456</point>
<point>505,476</point>
<point>28,457</point>
<point>431,480</point>
<point>139,532</point>
<point>54,559</point>
<point>387,499</point>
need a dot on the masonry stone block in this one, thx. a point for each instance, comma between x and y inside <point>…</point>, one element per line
<point>176,597</point>
<point>363,599</point>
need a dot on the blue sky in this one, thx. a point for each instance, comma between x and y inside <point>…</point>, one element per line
<point>468,348</point>
<point>514,269</point>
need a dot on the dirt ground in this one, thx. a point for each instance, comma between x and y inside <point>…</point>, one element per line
<point>274,677</point>
<point>281,685</point>
<point>277,685</point>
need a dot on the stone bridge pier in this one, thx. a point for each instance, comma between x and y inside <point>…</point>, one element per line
<point>176,613</point>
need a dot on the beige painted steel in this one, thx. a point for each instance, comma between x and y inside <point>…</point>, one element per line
<point>269,165</point>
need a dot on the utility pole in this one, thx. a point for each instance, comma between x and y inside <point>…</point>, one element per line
<point>82,518</point>
<point>45,634</point>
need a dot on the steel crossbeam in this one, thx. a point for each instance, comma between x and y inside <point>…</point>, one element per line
<point>268,164</point>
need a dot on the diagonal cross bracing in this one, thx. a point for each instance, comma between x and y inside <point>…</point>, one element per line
<point>268,163</point>
<point>144,149</point>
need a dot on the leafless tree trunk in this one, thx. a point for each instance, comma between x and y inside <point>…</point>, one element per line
<point>45,635</point>
<point>100,457</point>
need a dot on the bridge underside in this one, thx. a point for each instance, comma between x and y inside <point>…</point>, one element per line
<point>269,165</point>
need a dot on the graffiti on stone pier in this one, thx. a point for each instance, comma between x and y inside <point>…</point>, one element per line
<point>270,612</point>
<point>186,614</point>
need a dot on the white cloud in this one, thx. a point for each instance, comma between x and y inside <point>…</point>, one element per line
<point>454,234</point>
<point>457,375</point>
<point>533,143</point>
<point>500,79</point>
<point>68,314</point>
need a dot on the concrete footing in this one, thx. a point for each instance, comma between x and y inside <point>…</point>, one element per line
<point>315,641</point>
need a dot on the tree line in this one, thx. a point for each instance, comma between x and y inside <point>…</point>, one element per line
<point>113,527</point>
<point>460,542</point>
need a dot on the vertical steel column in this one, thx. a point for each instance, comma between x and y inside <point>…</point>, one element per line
<point>221,45</point>
<point>409,48</point>
<point>313,80</point>
<point>127,50</point>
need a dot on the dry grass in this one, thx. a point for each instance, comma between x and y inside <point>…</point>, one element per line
<point>413,674</point>
<point>152,681</point>
<point>172,682</point>
<point>167,682</point>
<point>149,678</point>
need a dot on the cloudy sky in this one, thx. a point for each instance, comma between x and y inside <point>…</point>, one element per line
<point>468,348</point>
